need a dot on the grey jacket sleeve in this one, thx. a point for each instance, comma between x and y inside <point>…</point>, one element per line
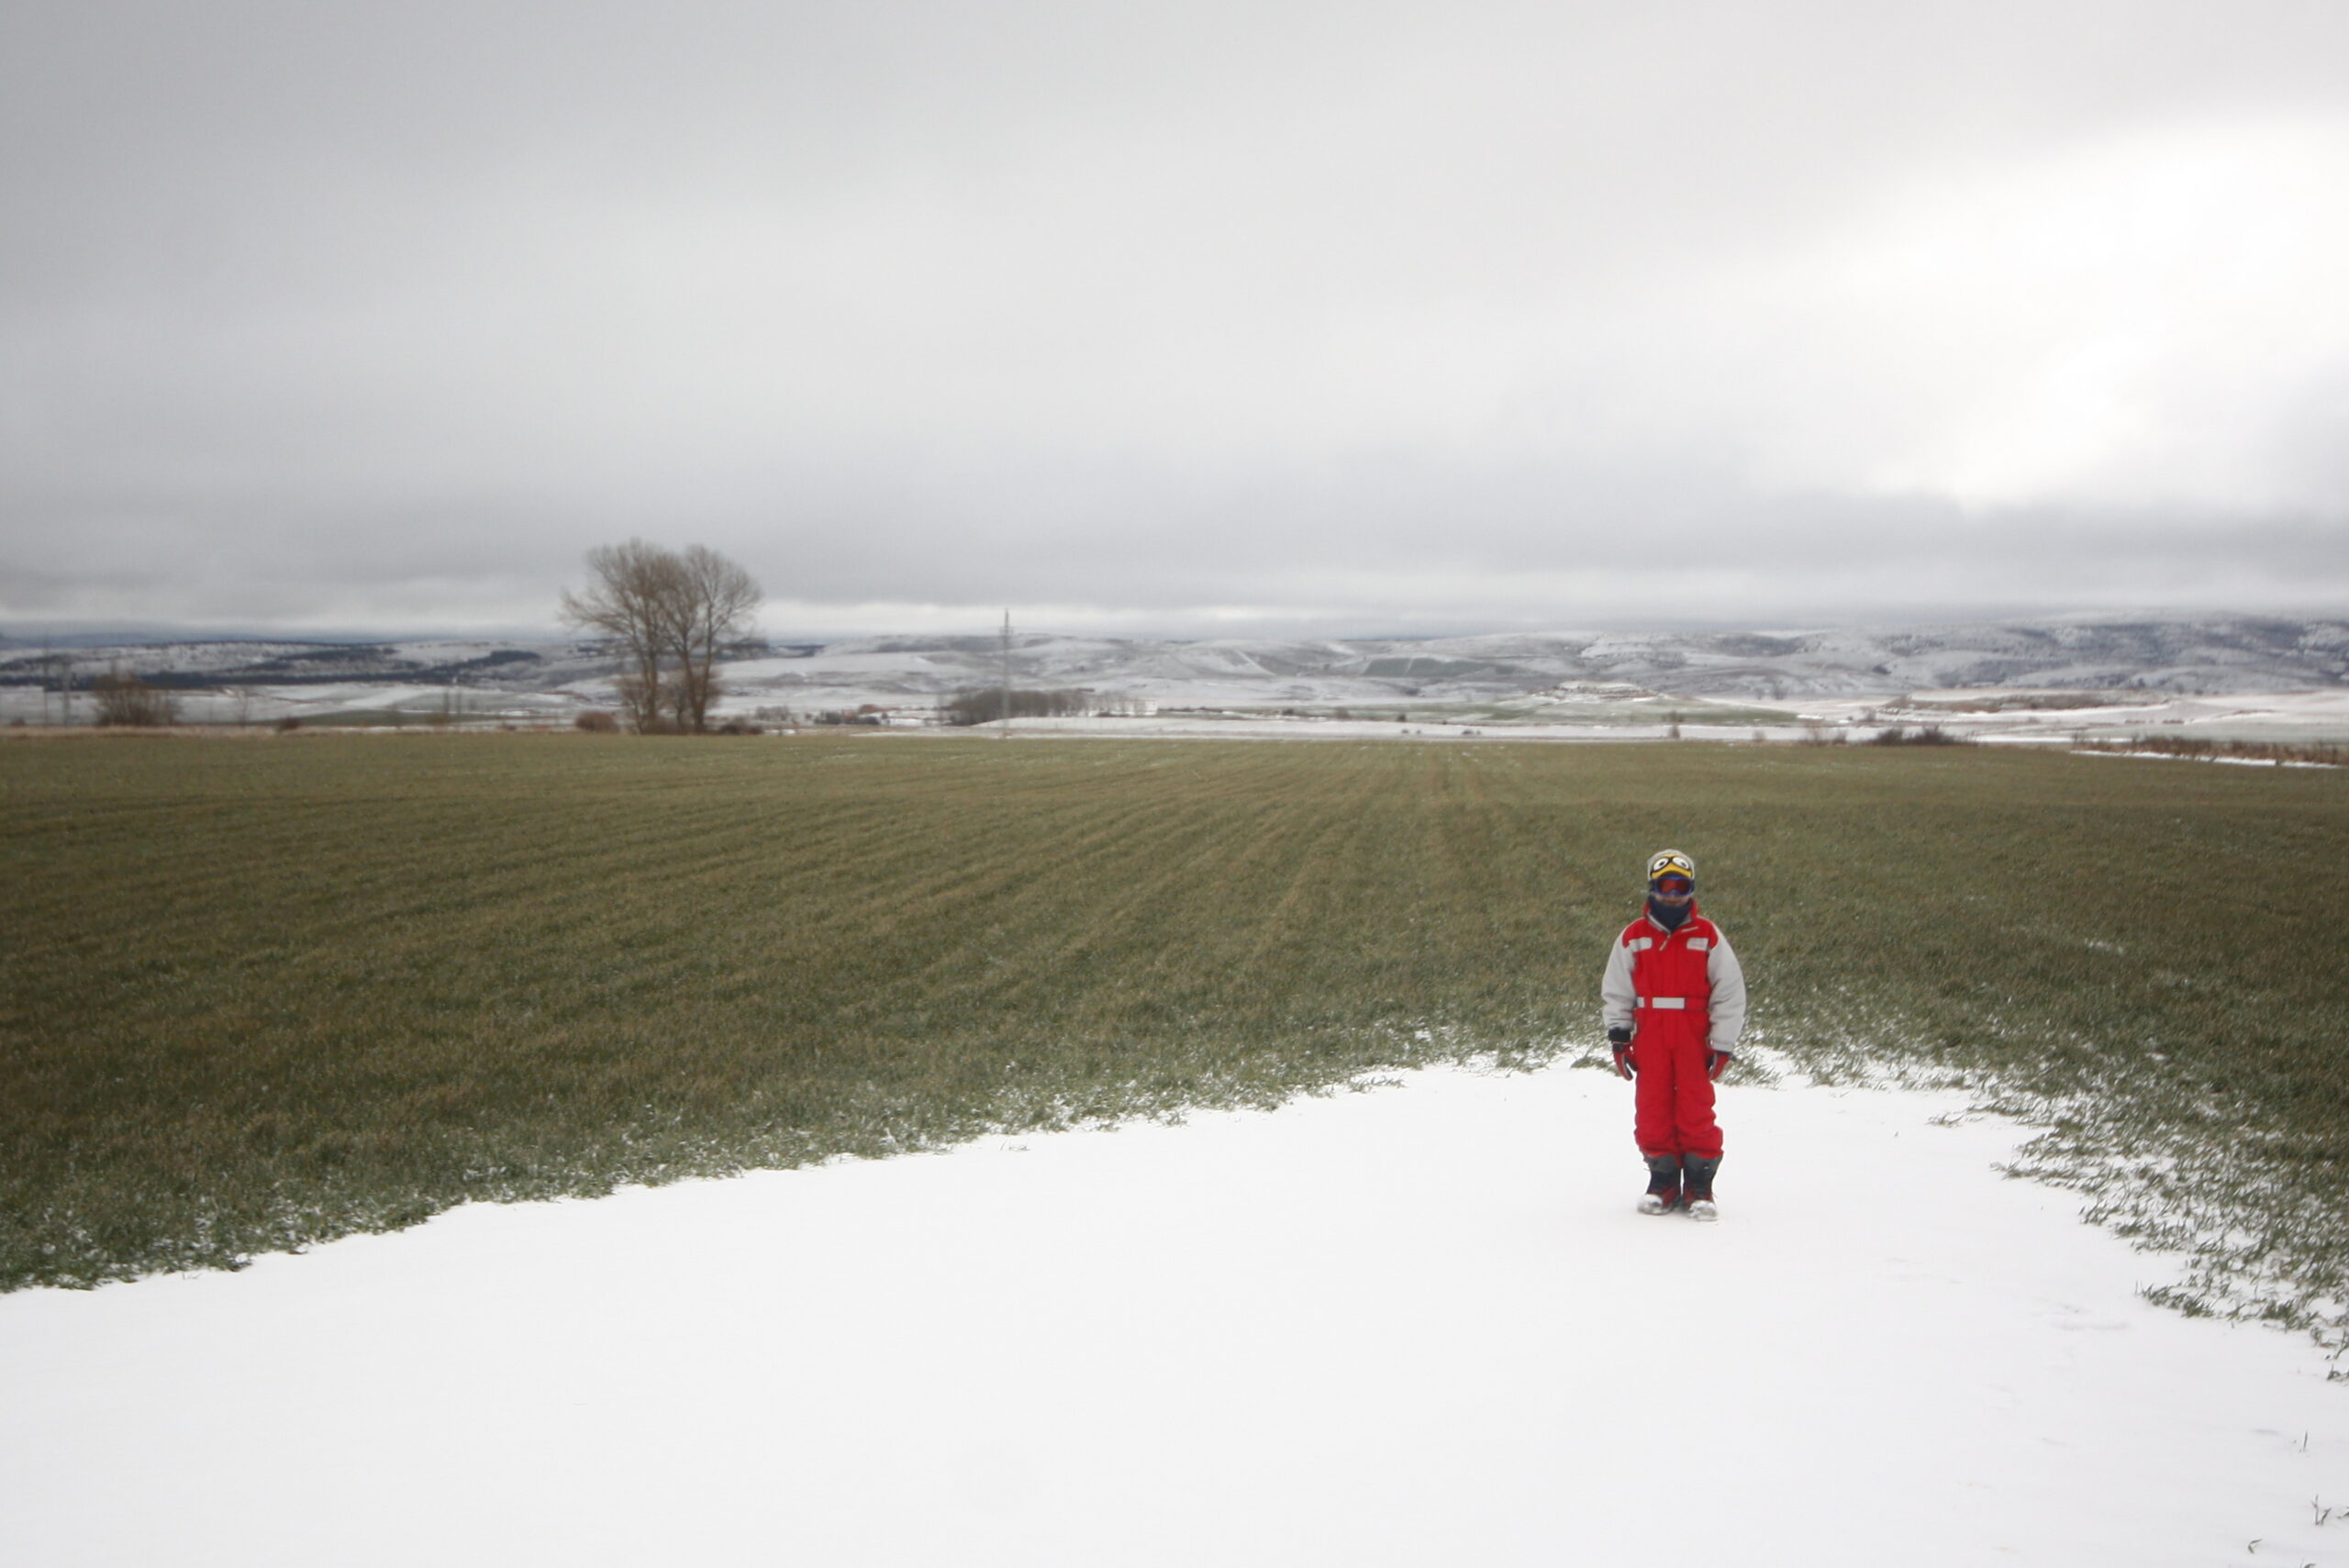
<point>1727,978</point>
<point>1615,994</point>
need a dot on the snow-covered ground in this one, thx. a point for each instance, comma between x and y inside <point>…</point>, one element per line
<point>2298,717</point>
<point>1418,1325</point>
<point>1277,727</point>
<point>2211,671</point>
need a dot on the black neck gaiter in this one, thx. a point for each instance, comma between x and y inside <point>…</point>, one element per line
<point>1671,916</point>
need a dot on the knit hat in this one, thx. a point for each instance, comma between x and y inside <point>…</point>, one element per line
<point>1670,863</point>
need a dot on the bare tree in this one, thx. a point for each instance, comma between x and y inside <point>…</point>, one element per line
<point>629,586</point>
<point>672,613</point>
<point>125,699</point>
<point>715,609</point>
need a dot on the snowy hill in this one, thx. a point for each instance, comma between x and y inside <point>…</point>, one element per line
<point>2171,657</point>
<point>2150,657</point>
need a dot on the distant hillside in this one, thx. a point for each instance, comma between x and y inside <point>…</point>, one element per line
<point>201,665</point>
<point>2176,657</point>
<point>2181,657</point>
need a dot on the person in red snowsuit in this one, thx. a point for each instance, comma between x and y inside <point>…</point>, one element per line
<point>1674,1001</point>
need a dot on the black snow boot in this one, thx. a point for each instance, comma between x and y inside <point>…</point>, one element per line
<point>1700,1186</point>
<point>1663,1184</point>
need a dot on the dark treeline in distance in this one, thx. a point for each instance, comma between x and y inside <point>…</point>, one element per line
<point>986,706</point>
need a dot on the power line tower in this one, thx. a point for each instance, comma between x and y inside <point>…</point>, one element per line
<point>57,676</point>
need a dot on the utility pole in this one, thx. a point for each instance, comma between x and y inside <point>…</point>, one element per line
<point>57,676</point>
<point>1007,674</point>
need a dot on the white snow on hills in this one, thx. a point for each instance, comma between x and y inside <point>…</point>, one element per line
<point>1514,677</point>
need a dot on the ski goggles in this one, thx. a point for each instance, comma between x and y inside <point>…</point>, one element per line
<point>1671,886</point>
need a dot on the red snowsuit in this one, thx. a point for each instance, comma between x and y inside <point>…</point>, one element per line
<point>1683,994</point>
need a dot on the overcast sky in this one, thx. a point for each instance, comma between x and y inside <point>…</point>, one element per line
<point>1353,317</point>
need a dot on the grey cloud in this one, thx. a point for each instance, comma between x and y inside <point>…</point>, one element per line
<point>1384,542</point>
<point>1364,311</point>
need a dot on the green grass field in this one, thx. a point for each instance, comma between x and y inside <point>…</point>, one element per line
<point>265,991</point>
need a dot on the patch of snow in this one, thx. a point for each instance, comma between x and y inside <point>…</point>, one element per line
<point>2176,757</point>
<point>1413,1326</point>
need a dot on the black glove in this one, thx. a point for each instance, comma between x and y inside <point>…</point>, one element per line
<point>1716,1063</point>
<point>1619,1036</point>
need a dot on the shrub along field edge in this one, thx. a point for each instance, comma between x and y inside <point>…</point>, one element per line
<point>258,993</point>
